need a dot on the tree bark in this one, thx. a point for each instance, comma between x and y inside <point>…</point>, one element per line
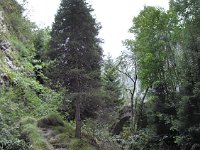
<point>78,118</point>
<point>141,109</point>
<point>132,111</point>
<point>132,105</point>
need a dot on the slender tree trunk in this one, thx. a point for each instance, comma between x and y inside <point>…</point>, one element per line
<point>132,105</point>
<point>135,115</point>
<point>78,118</point>
<point>78,110</point>
<point>132,112</point>
<point>141,110</point>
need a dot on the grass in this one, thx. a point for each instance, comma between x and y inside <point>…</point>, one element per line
<point>51,120</point>
<point>62,134</point>
<point>82,144</point>
<point>65,136</point>
<point>28,120</point>
<point>34,135</point>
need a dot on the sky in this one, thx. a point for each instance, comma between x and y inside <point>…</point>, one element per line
<point>115,17</point>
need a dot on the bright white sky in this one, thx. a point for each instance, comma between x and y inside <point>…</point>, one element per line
<point>115,17</point>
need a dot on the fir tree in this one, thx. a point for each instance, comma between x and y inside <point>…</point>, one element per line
<point>76,51</point>
<point>111,83</point>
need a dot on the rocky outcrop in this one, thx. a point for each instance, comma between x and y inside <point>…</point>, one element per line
<point>5,46</point>
<point>3,28</point>
<point>6,54</point>
<point>7,61</point>
<point>4,79</point>
<point>124,116</point>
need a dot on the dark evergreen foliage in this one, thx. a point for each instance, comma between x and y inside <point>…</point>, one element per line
<point>111,84</point>
<point>75,46</point>
<point>76,50</point>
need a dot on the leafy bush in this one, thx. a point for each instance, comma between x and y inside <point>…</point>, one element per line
<point>9,137</point>
<point>67,129</point>
<point>13,145</point>
<point>24,52</point>
<point>141,141</point>
<point>190,139</point>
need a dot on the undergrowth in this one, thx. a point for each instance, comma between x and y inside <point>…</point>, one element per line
<point>32,134</point>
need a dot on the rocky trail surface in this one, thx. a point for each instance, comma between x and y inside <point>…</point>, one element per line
<point>51,138</point>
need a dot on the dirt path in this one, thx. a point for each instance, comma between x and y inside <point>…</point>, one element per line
<point>51,139</point>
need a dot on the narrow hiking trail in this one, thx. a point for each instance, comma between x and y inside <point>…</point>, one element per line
<point>52,138</point>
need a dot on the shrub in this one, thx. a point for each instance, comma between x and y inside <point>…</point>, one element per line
<point>9,139</point>
<point>28,120</point>
<point>77,144</point>
<point>51,120</point>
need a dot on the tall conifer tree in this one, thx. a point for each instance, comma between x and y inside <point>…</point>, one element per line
<point>111,83</point>
<point>76,51</point>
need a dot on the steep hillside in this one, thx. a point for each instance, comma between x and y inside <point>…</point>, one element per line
<point>21,94</point>
<point>29,117</point>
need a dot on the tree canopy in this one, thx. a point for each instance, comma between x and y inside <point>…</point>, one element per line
<point>75,48</point>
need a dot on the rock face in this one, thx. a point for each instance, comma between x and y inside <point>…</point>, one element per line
<point>10,63</point>
<point>124,116</point>
<point>6,48</point>
<point>4,79</point>
<point>3,28</point>
<point>5,51</point>
<point>5,45</point>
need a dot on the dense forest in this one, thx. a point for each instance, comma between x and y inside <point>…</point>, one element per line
<point>58,91</point>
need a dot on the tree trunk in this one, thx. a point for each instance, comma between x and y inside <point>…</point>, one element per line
<point>141,110</point>
<point>132,112</point>
<point>78,118</point>
<point>135,116</point>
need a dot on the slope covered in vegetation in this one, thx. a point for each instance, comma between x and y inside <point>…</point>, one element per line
<point>29,108</point>
<point>56,92</point>
<point>21,93</point>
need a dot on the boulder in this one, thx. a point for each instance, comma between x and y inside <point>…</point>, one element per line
<point>5,45</point>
